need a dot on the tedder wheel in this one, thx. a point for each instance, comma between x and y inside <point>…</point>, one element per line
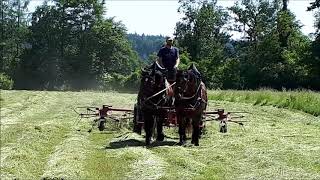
<point>137,127</point>
<point>101,124</point>
<point>223,128</point>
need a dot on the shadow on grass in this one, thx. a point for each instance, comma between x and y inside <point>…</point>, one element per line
<point>137,143</point>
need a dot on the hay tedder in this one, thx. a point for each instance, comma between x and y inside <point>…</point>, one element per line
<point>106,113</point>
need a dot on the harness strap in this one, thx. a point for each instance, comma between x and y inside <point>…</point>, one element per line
<point>190,97</point>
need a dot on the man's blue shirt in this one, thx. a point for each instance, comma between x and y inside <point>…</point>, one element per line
<point>169,56</point>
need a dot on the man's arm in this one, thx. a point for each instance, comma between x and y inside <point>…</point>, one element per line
<point>178,59</point>
<point>177,63</point>
<point>159,60</point>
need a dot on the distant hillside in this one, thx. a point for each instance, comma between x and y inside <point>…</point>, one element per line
<point>146,44</point>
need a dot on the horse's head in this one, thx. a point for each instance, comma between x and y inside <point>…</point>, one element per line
<point>152,81</point>
<point>188,81</point>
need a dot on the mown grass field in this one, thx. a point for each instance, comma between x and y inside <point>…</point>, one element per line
<point>40,139</point>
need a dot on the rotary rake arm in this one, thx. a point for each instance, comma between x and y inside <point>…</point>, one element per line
<point>101,114</point>
<point>224,117</point>
<point>92,111</point>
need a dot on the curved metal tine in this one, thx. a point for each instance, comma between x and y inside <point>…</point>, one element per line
<point>236,117</point>
<point>126,114</point>
<point>76,122</point>
<point>213,115</point>
<point>126,118</point>
<point>90,115</point>
<point>238,112</point>
<point>94,122</point>
<point>212,119</point>
<point>91,110</point>
<point>84,115</point>
<point>114,118</point>
<point>85,107</point>
<point>74,109</point>
<point>243,128</point>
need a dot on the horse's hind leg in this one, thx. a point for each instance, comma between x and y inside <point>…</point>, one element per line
<point>160,135</point>
<point>182,131</point>
<point>201,128</point>
<point>148,127</point>
<point>196,131</point>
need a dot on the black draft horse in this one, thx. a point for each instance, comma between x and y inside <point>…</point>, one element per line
<point>153,81</point>
<point>190,102</point>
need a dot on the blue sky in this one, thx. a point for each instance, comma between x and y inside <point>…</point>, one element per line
<point>156,17</point>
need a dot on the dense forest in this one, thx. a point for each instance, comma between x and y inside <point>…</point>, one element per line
<point>71,45</point>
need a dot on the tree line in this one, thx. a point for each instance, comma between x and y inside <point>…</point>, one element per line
<point>70,45</point>
<point>273,52</point>
<point>64,45</point>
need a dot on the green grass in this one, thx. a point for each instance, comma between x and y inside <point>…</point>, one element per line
<point>40,139</point>
<point>307,101</point>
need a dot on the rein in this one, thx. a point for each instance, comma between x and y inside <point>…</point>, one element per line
<point>156,94</point>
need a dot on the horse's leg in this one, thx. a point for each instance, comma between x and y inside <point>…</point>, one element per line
<point>201,128</point>
<point>185,126</point>
<point>160,135</point>
<point>196,129</point>
<point>182,130</point>
<point>148,127</point>
<point>193,131</point>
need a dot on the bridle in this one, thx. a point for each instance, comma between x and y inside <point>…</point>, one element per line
<point>196,99</point>
<point>186,87</point>
<point>149,99</point>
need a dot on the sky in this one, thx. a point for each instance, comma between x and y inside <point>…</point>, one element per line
<point>155,17</point>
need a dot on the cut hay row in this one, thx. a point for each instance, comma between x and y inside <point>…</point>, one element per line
<point>67,160</point>
<point>23,108</point>
<point>147,166</point>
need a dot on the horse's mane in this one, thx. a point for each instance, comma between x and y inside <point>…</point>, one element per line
<point>152,68</point>
<point>194,69</point>
<point>151,82</point>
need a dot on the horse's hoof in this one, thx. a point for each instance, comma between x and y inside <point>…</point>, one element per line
<point>160,137</point>
<point>181,143</point>
<point>192,142</point>
<point>148,141</point>
<point>196,144</point>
